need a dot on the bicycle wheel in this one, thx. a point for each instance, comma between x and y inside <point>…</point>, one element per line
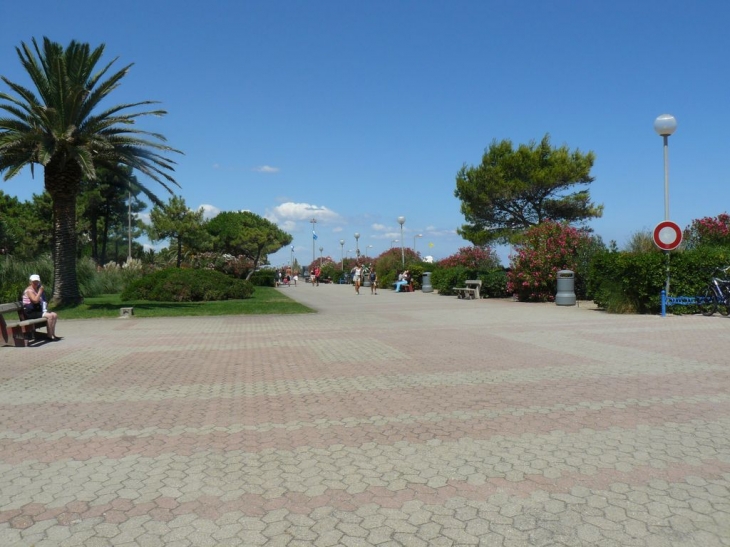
<point>707,301</point>
<point>724,306</point>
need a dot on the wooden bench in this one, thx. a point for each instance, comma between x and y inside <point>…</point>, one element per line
<point>401,286</point>
<point>471,290</point>
<point>21,332</point>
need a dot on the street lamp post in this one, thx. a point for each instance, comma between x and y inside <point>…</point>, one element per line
<point>414,242</point>
<point>314,237</point>
<point>366,250</point>
<point>320,256</point>
<point>665,125</point>
<point>392,242</point>
<point>357,245</point>
<point>401,221</point>
<point>291,257</point>
<point>342,255</point>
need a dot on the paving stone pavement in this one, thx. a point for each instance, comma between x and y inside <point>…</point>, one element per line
<point>391,420</point>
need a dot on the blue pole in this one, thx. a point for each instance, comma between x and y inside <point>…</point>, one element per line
<point>664,304</point>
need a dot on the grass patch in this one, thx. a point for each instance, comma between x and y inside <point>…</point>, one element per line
<point>265,301</point>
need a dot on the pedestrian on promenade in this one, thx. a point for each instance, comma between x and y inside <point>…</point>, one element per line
<point>356,277</point>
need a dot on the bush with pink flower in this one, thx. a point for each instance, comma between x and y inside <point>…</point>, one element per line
<point>708,231</point>
<point>544,250</point>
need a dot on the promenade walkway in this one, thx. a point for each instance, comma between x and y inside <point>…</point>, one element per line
<point>390,420</point>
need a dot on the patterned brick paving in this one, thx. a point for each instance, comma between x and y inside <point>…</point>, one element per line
<point>390,420</point>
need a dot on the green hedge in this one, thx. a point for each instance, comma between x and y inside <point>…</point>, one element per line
<point>264,278</point>
<point>632,282</point>
<point>183,285</point>
<point>494,282</point>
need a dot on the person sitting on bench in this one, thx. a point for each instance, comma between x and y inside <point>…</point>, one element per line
<point>34,305</point>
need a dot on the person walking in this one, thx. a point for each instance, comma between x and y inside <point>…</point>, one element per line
<point>373,282</point>
<point>357,276</point>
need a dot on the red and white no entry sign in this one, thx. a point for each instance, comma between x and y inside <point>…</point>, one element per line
<point>667,235</point>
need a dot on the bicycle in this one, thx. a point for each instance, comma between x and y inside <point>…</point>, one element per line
<point>716,295</point>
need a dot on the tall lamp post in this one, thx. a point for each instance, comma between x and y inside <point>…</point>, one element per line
<point>357,245</point>
<point>342,255</point>
<point>314,237</point>
<point>414,242</point>
<point>291,257</point>
<point>366,251</point>
<point>320,256</point>
<point>665,125</point>
<point>392,242</point>
<point>401,221</point>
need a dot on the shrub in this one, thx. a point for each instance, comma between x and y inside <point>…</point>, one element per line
<point>235,266</point>
<point>14,275</point>
<point>184,285</point>
<point>543,251</point>
<point>475,258</point>
<point>708,231</point>
<point>266,277</point>
<point>494,283</point>
<point>623,282</point>
<point>444,279</point>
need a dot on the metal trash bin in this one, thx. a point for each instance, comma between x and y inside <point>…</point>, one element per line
<point>426,282</point>
<point>566,288</point>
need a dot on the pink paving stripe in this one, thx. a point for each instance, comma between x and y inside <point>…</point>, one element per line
<point>330,405</point>
<point>210,507</point>
<point>447,430</point>
<point>301,363</point>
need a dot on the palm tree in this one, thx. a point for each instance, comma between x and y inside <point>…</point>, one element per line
<point>60,129</point>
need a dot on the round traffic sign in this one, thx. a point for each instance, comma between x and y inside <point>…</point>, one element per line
<point>667,235</point>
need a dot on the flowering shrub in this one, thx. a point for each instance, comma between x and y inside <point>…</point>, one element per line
<point>235,266</point>
<point>475,258</point>
<point>544,250</point>
<point>708,231</point>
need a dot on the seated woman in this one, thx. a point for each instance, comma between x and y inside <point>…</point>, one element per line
<point>34,305</point>
<point>402,283</point>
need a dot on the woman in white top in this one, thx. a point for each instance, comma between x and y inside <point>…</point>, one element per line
<point>356,275</point>
<point>34,305</point>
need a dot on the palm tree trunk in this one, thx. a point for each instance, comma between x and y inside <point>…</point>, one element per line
<point>63,186</point>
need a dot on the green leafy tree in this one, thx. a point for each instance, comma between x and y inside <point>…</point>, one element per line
<point>178,224</point>
<point>59,126</point>
<point>104,208</point>
<point>514,189</point>
<point>26,226</point>
<point>247,234</point>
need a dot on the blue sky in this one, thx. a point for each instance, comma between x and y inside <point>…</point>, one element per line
<point>355,113</point>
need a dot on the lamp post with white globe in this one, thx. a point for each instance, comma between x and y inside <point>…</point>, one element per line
<point>342,255</point>
<point>357,245</point>
<point>665,125</point>
<point>401,221</point>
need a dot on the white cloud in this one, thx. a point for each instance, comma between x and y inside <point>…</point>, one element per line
<point>287,225</point>
<point>337,230</point>
<point>301,211</point>
<point>266,169</point>
<point>209,211</point>
<point>379,227</point>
